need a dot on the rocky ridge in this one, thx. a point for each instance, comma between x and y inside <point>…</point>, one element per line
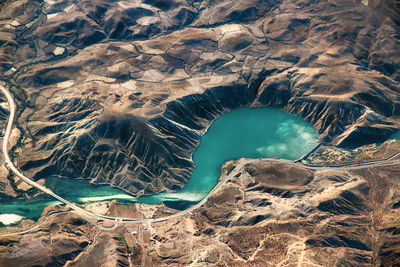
<point>269,214</point>
<point>162,71</point>
<point>119,93</point>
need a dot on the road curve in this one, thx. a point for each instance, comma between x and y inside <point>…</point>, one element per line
<point>10,166</point>
<point>89,216</point>
<point>84,213</point>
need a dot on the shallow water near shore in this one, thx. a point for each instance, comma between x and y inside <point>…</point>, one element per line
<point>241,133</point>
<point>77,191</point>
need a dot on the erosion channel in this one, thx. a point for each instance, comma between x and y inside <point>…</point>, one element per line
<point>244,132</point>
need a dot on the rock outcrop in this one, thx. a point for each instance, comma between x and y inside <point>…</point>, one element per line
<point>163,70</point>
<point>120,92</point>
<point>268,214</point>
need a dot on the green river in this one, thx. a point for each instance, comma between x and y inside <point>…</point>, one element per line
<point>241,133</point>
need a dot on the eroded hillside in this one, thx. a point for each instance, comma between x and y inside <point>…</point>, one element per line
<point>163,70</point>
<point>120,92</point>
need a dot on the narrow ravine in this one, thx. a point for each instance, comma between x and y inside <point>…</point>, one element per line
<point>245,132</point>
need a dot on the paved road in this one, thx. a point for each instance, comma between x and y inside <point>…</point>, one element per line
<point>10,165</point>
<point>90,216</point>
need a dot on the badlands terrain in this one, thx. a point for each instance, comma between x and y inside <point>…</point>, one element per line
<point>119,93</point>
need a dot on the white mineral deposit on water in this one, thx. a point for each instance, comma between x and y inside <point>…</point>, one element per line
<point>117,196</point>
<point>242,133</point>
<point>9,219</point>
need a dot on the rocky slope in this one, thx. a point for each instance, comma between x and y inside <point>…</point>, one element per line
<point>269,214</point>
<point>120,92</point>
<point>163,70</point>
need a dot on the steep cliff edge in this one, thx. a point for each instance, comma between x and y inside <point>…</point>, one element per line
<point>120,92</point>
<point>114,93</point>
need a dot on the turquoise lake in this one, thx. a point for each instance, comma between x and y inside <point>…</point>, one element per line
<point>241,133</point>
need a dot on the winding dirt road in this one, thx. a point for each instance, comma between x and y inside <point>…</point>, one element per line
<point>90,216</point>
